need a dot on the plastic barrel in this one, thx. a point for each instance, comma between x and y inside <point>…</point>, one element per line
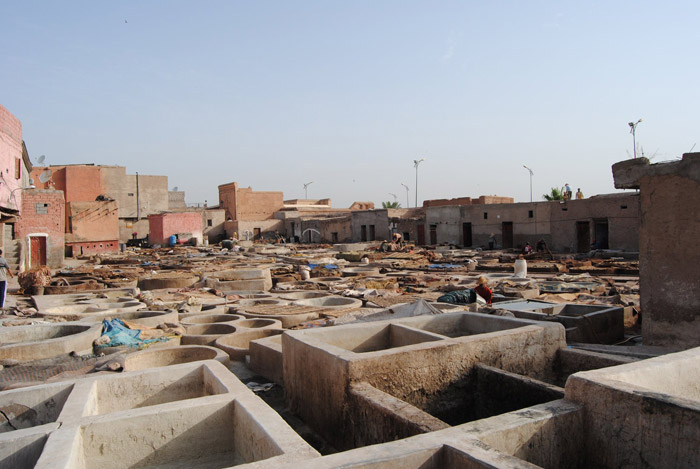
<point>521,268</point>
<point>172,240</point>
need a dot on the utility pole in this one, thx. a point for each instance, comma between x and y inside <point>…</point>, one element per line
<point>531,174</point>
<point>408,205</point>
<point>415,165</point>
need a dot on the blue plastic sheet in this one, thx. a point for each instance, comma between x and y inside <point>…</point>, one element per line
<point>327,266</point>
<point>445,266</point>
<point>120,335</point>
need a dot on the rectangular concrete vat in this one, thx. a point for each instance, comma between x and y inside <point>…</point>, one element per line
<point>641,414</point>
<point>193,415</point>
<point>321,364</point>
<point>32,407</point>
<point>132,392</point>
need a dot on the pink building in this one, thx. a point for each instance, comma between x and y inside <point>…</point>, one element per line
<point>11,167</point>
<point>164,225</point>
<point>41,228</point>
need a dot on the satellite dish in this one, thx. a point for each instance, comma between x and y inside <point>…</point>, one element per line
<point>45,176</point>
<point>41,159</point>
<point>175,189</point>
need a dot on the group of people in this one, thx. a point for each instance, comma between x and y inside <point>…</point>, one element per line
<point>541,247</point>
<point>568,193</point>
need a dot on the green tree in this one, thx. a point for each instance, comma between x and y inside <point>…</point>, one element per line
<point>556,194</point>
<point>394,204</point>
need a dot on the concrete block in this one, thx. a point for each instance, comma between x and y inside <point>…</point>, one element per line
<point>641,414</point>
<point>266,358</point>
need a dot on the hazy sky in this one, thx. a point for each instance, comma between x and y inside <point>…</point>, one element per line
<point>347,94</point>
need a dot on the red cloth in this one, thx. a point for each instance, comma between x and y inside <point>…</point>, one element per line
<point>484,292</point>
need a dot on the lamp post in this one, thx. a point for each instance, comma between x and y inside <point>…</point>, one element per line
<point>633,131</point>
<point>415,165</point>
<point>531,174</point>
<point>396,199</point>
<point>306,189</point>
<point>406,187</point>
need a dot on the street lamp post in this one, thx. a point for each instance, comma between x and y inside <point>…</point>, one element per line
<point>633,131</point>
<point>415,165</point>
<point>531,174</point>
<point>406,187</point>
<point>306,189</point>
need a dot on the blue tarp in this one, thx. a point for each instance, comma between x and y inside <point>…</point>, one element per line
<point>327,266</point>
<point>119,335</point>
<point>445,266</point>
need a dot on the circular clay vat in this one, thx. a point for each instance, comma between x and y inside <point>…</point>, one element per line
<point>228,311</point>
<point>172,356</point>
<point>214,309</point>
<point>121,299</point>
<point>74,310</point>
<point>303,295</point>
<point>60,288</point>
<point>265,301</point>
<point>248,294</point>
<point>258,324</point>
<point>209,319</point>
<point>39,341</point>
<point>205,334</point>
<point>148,318</point>
<point>237,345</point>
<point>167,280</point>
<point>331,302</point>
<point>121,306</point>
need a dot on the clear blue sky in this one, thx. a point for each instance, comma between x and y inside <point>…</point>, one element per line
<point>347,94</point>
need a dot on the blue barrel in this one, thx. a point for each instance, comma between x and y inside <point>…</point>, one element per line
<point>173,240</point>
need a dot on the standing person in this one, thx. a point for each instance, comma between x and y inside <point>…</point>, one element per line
<point>579,194</point>
<point>4,270</point>
<point>567,192</point>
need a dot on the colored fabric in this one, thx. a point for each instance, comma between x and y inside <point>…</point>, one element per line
<point>459,297</point>
<point>120,334</point>
<point>484,292</point>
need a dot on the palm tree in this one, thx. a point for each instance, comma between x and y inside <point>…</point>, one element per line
<point>556,194</point>
<point>394,204</point>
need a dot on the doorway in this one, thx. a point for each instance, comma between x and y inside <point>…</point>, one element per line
<point>433,234</point>
<point>507,234</point>
<point>37,251</point>
<point>467,235</point>
<point>601,234</point>
<point>583,236</point>
<point>421,234</point>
